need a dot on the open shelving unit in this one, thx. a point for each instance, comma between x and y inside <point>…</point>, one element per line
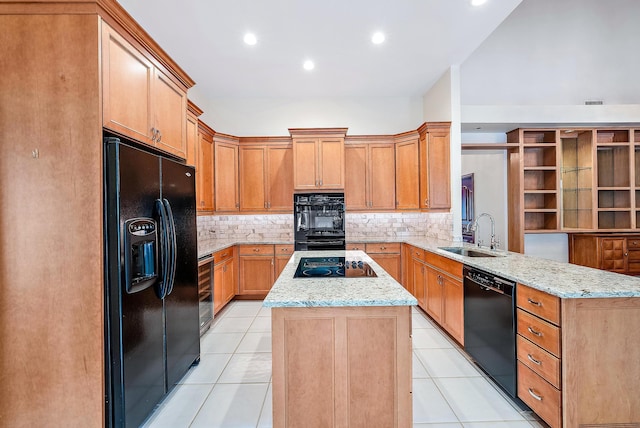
<point>614,193</point>
<point>572,180</point>
<point>540,180</point>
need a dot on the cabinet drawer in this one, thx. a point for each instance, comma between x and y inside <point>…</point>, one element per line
<point>540,332</point>
<point>355,246</point>
<point>448,265</point>
<point>283,249</point>
<point>540,395</point>
<point>539,303</point>
<point>417,253</point>
<point>222,255</point>
<point>633,243</point>
<point>539,360</point>
<point>383,248</point>
<point>252,250</point>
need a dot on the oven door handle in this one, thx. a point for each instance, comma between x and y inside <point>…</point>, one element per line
<point>312,243</point>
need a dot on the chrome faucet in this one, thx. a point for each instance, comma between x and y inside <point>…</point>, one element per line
<point>474,226</point>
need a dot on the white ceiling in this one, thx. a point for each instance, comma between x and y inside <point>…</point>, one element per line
<point>423,38</point>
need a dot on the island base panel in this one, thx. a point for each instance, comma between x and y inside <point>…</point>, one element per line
<point>342,366</point>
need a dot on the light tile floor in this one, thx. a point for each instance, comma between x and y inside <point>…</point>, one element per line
<point>231,387</point>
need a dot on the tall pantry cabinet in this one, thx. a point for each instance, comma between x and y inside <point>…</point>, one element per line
<point>55,103</point>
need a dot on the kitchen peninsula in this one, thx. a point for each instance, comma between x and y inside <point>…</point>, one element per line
<point>341,348</point>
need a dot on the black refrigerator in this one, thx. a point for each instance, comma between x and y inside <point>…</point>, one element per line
<point>151,295</point>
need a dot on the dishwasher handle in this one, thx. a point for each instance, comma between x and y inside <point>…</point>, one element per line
<point>485,287</point>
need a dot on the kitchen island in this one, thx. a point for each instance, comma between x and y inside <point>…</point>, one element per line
<point>341,348</point>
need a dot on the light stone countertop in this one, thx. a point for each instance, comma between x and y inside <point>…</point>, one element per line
<point>560,279</point>
<point>564,280</point>
<point>333,292</point>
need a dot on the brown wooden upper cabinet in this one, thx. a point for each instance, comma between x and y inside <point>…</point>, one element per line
<point>370,174</point>
<point>407,171</point>
<point>226,173</point>
<point>435,171</point>
<point>140,99</point>
<point>193,111</point>
<point>266,175</point>
<point>204,169</point>
<point>318,158</point>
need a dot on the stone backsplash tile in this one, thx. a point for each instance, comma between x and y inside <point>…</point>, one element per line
<point>358,226</point>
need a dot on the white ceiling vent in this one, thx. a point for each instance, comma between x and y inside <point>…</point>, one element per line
<point>593,102</point>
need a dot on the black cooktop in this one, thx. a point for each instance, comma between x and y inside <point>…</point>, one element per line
<point>317,267</point>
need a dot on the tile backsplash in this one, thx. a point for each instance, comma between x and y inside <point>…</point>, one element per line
<point>279,227</point>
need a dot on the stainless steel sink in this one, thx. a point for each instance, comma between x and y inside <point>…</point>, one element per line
<point>467,252</point>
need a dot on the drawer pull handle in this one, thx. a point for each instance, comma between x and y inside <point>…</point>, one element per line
<point>535,333</point>
<point>533,302</point>
<point>534,395</point>
<point>533,360</point>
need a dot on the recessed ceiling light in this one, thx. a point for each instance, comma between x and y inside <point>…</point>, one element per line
<point>250,39</point>
<point>308,65</point>
<point>478,2</point>
<point>377,38</point>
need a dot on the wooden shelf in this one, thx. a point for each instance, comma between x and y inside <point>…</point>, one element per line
<point>488,146</point>
<point>539,136</point>
<point>605,136</point>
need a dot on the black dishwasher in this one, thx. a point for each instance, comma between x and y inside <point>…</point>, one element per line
<point>490,326</point>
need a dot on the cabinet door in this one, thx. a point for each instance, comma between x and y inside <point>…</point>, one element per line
<point>280,180</point>
<point>127,78</point>
<point>256,274</point>
<point>281,262</point>
<point>614,254</point>
<point>437,175</point>
<point>407,268</point>
<point>453,317</point>
<point>170,107</point>
<point>226,177</point>
<point>192,140</point>
<point>331,163</point>
<point>355,185</point>
<point>204,174</point>
<point>305,164</point>
<point>434,295</point>
<point>229,281</point>
<point>218,287</point>
<point>419,280</point>
<point>390,263</point>
<point>253,163</point>
<point>407,190</point>
<point>382,177</point>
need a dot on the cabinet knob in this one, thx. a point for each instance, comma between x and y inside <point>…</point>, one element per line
<point>153,134</point>
<point>321,182</point>
<point>426,202</point>
<point>255,250</point>
<point>159,136</point>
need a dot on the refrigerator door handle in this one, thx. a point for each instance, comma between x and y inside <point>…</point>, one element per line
<point>173,247</point>
<point>164,249</point>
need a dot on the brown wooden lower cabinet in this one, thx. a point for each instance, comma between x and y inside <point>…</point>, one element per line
<point>615,252</point>
<point>224,278</point>
<point>437,284</point>
<point>356,372</point>
<point>257,270</point>
<point>387,255</point>
<point>282,255</point>
<point>576,364</point>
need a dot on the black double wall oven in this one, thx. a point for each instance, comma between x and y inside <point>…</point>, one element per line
<point>319,221</point>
